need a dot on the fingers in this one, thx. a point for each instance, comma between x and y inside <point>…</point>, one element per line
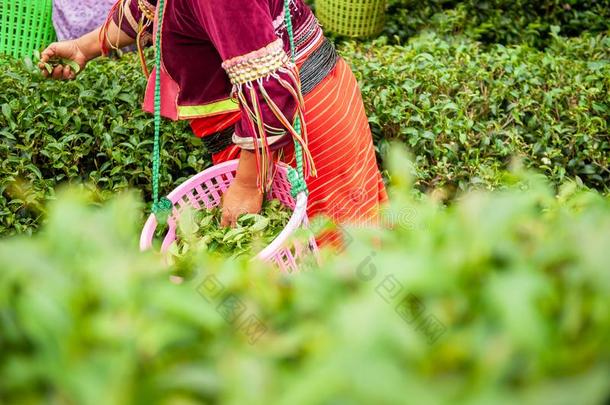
<point>67,73</point>
<point>45,56</point>
<point>58,72</point>
<point>225,220</point>
<point>48,53</point>
<point>238,201</point>
<point>228,218</point>
<point>230,215</point>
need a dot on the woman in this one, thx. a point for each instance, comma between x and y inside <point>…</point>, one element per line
<point>225,67</point>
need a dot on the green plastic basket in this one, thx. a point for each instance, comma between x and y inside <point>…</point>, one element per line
<point>352,18</point>
<point>25,25</point>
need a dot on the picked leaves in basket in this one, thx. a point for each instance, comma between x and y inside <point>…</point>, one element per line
<point>201,231</point>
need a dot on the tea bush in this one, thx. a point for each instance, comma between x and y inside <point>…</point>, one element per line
<point>500,298</point>
<point>90,130</point>
<point>466,112</point>
<point>498,21</point>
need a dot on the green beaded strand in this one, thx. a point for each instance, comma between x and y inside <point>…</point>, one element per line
<point>161,207</point>
<point>297,179</point>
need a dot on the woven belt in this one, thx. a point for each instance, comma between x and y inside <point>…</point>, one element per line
<point>219,141</point>
<point>313,71</point>
<point>320,63</point>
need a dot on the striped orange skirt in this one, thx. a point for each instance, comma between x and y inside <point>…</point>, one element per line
<point>349,187</point>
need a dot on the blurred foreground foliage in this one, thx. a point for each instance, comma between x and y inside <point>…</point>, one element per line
<point>516,284</point>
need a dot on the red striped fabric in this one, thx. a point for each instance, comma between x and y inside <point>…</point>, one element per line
<point>349,187</point>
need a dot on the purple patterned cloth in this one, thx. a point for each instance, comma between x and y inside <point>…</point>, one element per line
<point>74,18</point>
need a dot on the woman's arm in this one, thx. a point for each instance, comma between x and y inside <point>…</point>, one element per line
<point>243,196</point>
<point>115,38</point>
<point>267,85</point>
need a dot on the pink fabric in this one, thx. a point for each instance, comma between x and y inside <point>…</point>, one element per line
<point>169,95</point>
<point>74,18</point>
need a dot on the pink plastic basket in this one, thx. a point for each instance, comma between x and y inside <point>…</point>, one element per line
<point>204,191</point>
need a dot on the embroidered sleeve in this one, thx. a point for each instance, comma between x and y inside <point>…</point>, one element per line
<point>265,81</point>
<point>135,18</point>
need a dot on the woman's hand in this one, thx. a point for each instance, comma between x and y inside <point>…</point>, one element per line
<point>63,50</point>
<point>82,50</point>
<point>240,199</point>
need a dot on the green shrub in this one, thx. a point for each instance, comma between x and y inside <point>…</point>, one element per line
<point>501,298</point>
<point>498,21</point>
<point>466,112</point>
<point>90,130</point>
